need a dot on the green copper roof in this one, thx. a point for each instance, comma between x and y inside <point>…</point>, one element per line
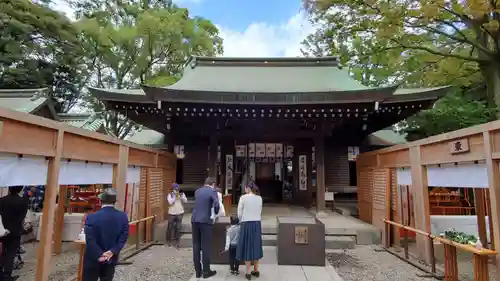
<point>265,75</point>
<point>385,137</point>
<point>84,121</point>
<point>146,137</point>
<point>23,100</point>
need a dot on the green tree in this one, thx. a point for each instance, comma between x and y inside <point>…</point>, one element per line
<point>131,43</point>
<point>408,43</point>
<point>39,48</point>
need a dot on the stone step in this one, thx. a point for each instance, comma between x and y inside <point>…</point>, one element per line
<point>331,242</point>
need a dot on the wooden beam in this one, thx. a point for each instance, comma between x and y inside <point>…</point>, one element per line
<point>320,173</point>
<point>44,251</point>
<point>420,192</point>
<point>120,176</point>
<point>479,203</point>
<point>147,204</point>
<point>61,209</point>
<point>494,189</point>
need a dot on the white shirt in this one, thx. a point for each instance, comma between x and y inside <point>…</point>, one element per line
<point>250,208</point>
<point>176,206</point>
<point>222,211</point>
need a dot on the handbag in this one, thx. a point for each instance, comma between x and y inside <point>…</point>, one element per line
<point>3,231</point>
<point>28,222</point>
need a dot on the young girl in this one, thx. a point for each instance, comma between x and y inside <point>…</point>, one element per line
<point>232,236</point>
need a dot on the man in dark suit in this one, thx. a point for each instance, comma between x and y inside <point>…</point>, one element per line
<point>205,198</point>
<point>13,209</point>
<point>106,233</point>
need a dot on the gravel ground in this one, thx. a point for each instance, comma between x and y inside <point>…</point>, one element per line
<point>364,263</point>
<point>158,263</point>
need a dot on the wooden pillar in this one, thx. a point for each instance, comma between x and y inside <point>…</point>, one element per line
<point>420,192</point>
<point>494,188</point>
<point>212,157</point>
<point>61,209</point>
<point>44,251</point>
<point>480,204</point>
<point>120,177</point>
<point>320,173</point>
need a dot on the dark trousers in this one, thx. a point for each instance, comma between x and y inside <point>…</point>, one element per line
<point>174,228</point>
<point>10,244</point>
<point>202,244</point>
<point>234,264</point>
<point>102,272</point>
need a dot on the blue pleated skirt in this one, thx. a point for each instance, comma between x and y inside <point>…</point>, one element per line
<point>250,241</point>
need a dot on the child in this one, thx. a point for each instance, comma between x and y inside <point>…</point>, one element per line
<point>232,235</point>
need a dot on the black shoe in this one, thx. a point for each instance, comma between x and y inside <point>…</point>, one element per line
<point>236,272</point>
<point>248,276</point>
<point>209,274</point>
<point>256,273</point>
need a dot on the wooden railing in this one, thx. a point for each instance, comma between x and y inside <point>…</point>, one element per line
<point>480,256</point>
<point>139,244</point>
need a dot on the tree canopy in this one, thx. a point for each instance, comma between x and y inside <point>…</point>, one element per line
<point>39,48</point>
<point>417,44</point>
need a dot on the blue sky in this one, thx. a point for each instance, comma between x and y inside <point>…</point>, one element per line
<point>250,28</point>
<point>239,14</point>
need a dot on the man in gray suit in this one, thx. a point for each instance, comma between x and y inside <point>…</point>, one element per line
<point>205,198</point>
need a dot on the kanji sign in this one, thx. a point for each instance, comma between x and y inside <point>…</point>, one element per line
<point>459,146</point>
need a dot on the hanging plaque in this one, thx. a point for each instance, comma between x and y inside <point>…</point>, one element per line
<point>240,150</point>
<point>279,150</point>
<point>302,172</point>
<point>251,150</point>
<point>229,172</point>
<point>260,150</point>
<point>289,151</point>
<point>313,156</point>
<point>270,150</point>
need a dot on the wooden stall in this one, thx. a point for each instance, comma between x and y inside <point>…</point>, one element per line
<point>24,136</point>
<point>393,183</point>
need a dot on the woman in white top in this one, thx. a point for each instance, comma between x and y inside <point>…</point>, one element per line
<point>249,247</point>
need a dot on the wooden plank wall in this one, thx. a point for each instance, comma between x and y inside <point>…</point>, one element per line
<point>365,193</point>
<point>378,197</point>
<point>156,192</point>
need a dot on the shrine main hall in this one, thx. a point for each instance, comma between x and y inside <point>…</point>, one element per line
<point>289,124</point>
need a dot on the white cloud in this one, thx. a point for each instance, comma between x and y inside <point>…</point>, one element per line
<point>260,39</point>
<point>265,40</point>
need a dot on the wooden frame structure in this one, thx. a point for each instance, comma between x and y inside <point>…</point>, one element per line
<point>376,179</point>
<point>23,134</point>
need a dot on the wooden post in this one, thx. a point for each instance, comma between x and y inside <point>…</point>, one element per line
<point>61,210</point>
<point>481,272</point>
<point>44,251</point>
<point>388,209</point>
<point>147,204</point>
<point>420,193</point>
<point>479,203</point>
<point>120,177</point>
<point>494,189</point>
<point>320,173</point>
<point>450,263</point>
<point>212,157</point>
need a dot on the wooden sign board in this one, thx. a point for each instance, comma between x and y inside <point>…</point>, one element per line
<point>270,150</point>
<point>260,150</point>
<point>302,172</point>
<point>241,150</point>
<point>251,150</point>
<point>289,151</point>
<point>279,150</point>
<point>301,235</point>
<point>459,146</point>
<point>229,172</point>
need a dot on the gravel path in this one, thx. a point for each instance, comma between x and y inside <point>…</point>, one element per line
<point>363,263</point>
<point>158,263</point>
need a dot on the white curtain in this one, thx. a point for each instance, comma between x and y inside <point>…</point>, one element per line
<point>15,170</point>
<point>404,176</point>
<point>79,172</point>
<point>133,174</point>
<point>465,175</point>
